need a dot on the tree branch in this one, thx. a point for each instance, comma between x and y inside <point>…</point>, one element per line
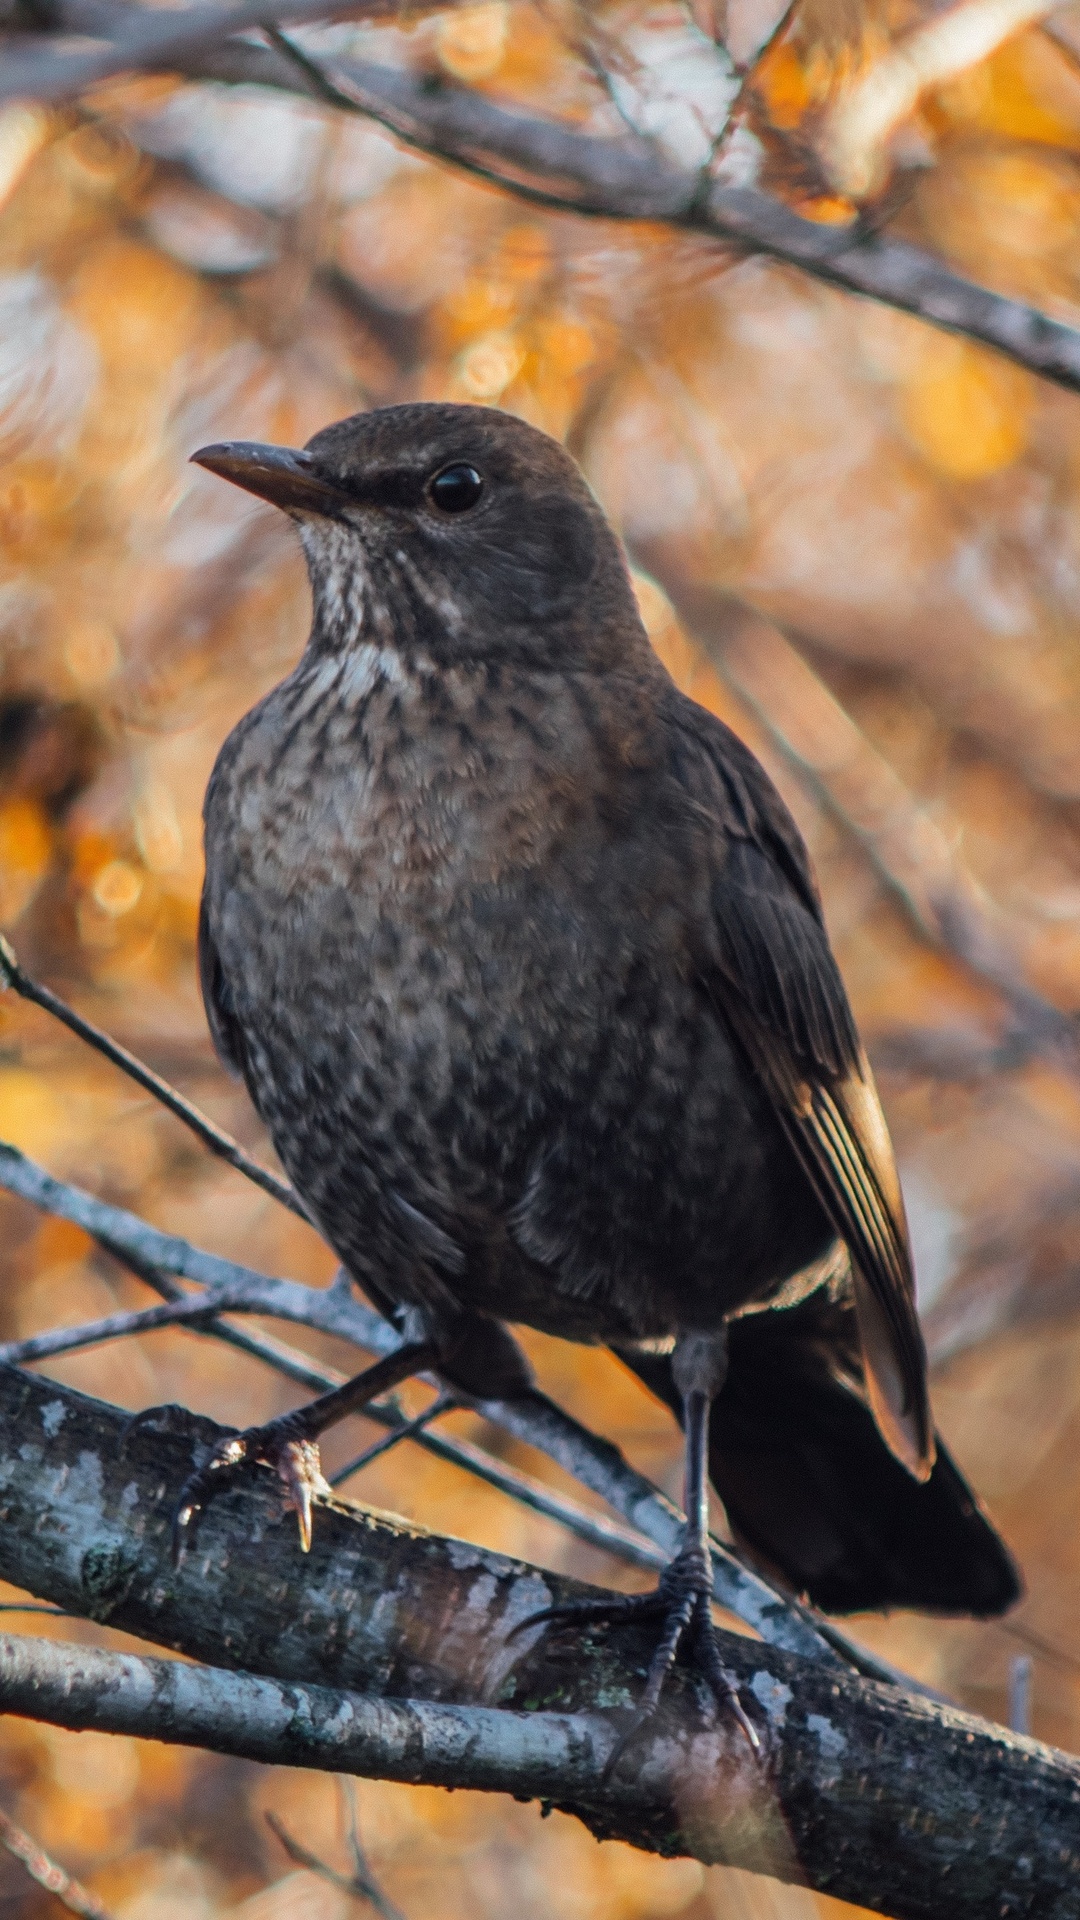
<point>596,1463</point>
<point>546,161</point>
<point>629,179</point>
<point>392,1652</point>
<point>48,1873</point>
<point>15,976</point>
<point>135,38</point>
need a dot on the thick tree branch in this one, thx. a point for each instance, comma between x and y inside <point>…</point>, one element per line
<point>390,1651</point>
<point>533,1418</point>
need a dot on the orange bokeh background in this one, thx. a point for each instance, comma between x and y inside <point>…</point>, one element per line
<point>182,264</point>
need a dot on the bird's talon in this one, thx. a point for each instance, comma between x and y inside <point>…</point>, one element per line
<point>586,1612</point>
<point>172,1419</point>
<point>299,1468</point>
<point>294,1459</point>
<point>743,1720</point>
<point>682,1599</point>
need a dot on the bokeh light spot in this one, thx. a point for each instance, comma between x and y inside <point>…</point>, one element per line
<point>117,887</point>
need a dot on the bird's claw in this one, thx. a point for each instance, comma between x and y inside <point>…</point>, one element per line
<point>281,1445</point>
<point>172,1419</point>
<point>683,1601</point>
<point>299,1468</point>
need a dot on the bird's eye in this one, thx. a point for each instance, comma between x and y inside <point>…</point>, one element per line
<point>456,489</point>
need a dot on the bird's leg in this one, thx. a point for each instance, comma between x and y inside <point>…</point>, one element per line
<point>683,1599</point>
<point>290,1444</point>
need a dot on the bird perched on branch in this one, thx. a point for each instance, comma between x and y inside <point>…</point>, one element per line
<point>522,960</point>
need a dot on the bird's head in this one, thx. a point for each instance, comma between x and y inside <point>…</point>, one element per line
<point>459,531</point>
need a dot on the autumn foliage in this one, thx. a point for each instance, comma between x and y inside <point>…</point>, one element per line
<point>181,263</point>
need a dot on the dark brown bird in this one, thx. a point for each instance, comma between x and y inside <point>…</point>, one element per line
<point>522,960</point>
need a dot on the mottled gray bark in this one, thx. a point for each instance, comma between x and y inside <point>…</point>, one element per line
<point>868,1793</point>
<point>534,1419</point>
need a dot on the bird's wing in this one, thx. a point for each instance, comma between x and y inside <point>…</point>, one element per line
<point>225,1030</point>
<point>775,981</point>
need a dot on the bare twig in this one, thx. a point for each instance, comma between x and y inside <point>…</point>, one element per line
<point>361,1869</point>
<point>15,976</point>
<point>625,178</point>
<point>532,1418</point>
<point>19,1606</point>
<point>191,1310</point>
<point>1020,1693</point>
<point>525,160</point>
<point>359,1885</point>
<point>148,38</point>
<point>407,1430</point>
<point>48,1872</point>
<point>557,165</point>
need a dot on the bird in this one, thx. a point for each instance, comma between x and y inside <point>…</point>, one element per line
<point>523,962</point>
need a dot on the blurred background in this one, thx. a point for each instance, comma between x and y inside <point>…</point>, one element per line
<point>857,538</point>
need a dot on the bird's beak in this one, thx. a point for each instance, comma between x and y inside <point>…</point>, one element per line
<point>284,475</point>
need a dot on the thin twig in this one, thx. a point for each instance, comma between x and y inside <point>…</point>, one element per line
<point>360,1885</point>
<point>554,164</point>
<point>20,1606</point>
<point>533,1418</point>
<point>408,1430</point>
<point>48,1872</point>
<point>148,38</point>
<point>116,1326</point>
<point>361,1870</point>
<point>349,93</point>
<point>14,975</point>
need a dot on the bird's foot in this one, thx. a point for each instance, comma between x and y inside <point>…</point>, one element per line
<point>682,1602</point>
<point>290,1444</point>
<point>286,1445</point>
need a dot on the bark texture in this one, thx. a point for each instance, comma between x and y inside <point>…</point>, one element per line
<point>868,1793</point>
